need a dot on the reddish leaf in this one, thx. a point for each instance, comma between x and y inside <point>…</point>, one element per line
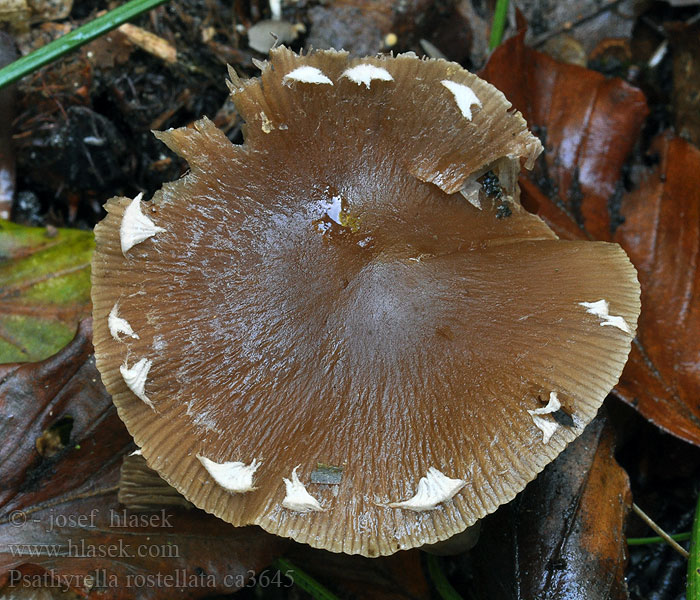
<point>589,125</point>
<point>55,512</point>
<point>563,536</point>
<point>661,234</point>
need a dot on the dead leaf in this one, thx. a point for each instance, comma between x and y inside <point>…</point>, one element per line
<point>60,522</point>
<point>44,289</point>
<point>661,234</point>
<point>563,537</point>
<point>589,125</point>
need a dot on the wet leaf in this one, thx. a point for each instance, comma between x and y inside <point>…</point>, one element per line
<point>44,289</point>
<point>60,522</point>
<point>589,125</point>
<point>661,234</point>
<point>562,538</point>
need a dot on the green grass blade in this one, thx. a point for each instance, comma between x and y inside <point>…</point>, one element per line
<point>499,23</point>
<point>640,541</point>
<point>76,38</point>
<point>304,580</point>
<point>692,590</point>
<point>442,585</point>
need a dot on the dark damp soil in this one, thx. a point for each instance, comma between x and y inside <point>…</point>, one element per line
<point>82,127</point>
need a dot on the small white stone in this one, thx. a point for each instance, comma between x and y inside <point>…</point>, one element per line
<point>136,227</point>
<point>117,325</point>
<point>600,309</point>
<point>433,489</point>
<point>464,96</point>
<point>136,452</point>
<point>307,74</point>
<point>297,498</point>
<point>546,426</point>
<point>135,378</point>
<point>235,477</point>
<point>366,73</point>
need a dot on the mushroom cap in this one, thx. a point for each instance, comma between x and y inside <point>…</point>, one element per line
<point>324,295</point>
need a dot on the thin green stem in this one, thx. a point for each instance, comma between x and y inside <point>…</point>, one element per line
<point>303,580</point>
<point>442,585</point>
<point>692,590</point>
<point>499,23</point>
<point>640,541</point>
<point>76,38</point>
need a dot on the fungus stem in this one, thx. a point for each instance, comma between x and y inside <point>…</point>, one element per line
<point>442,585</point>
<point>499,23</point>
<point>303,580</point>
<point>692,590</point>
<point>76,38</point>
<point>667,538</point>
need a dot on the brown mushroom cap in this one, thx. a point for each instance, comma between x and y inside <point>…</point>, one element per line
<point>323,294</point>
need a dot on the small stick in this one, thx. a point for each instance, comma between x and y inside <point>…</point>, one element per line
<point>149,42</point>
<point>667,538</point>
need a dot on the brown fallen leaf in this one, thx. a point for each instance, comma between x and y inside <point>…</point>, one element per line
<point>661,234</point>
<point>60,522</point>
<point>562,538</point>
<point>589,125</point>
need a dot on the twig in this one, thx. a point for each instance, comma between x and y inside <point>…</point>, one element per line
<point>667,538</point>
<point>538,41</point>
<point>150,42</point>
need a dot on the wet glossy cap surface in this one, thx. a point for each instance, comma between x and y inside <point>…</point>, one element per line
<point>347,330</point>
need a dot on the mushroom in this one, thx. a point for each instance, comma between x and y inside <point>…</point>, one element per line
<point>347,330</point>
